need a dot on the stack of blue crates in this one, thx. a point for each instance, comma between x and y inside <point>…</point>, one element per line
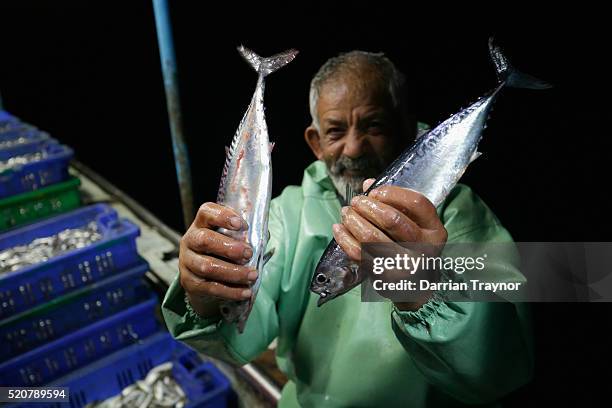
<point>20,139</point>
<point>86,319</point>
<point>34,178</point>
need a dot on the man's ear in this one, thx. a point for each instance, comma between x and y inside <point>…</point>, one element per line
<point>311,134</point>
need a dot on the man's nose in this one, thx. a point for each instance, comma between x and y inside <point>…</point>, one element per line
<point>355,145</point>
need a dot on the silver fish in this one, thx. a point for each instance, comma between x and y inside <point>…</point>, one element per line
<point>431,166</point>
<point>246,183</point>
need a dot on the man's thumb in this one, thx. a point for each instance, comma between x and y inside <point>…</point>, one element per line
<point>367,183</point>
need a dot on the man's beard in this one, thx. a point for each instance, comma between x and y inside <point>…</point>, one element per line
<point>366,167</point>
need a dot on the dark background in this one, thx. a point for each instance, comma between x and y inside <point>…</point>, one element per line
<point>90,75</point>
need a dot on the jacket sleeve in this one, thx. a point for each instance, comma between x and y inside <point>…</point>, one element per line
<point>219,339</point>
<point>475,351</point>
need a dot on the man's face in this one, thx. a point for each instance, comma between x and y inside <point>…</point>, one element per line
<point>359,131</point>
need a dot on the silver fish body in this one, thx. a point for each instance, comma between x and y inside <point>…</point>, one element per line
<point>246,183</point>
<point>431,166</point>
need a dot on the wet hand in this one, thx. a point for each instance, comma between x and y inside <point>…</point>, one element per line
<point>211,265</point>
<point>391,214</point>
<point>388,214</point>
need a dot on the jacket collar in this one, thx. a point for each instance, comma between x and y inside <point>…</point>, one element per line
<point>316,181</point>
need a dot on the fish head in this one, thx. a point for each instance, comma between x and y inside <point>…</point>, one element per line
<point>232,310</point>
<point>331,280</point>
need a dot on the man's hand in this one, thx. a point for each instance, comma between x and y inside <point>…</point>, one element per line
<point>211,264</point>
<point>389,214</point>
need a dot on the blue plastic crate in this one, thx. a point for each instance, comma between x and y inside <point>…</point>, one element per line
<point>34,141</point>
<point>5,116</point>
<point>53,168</point>
<point>30,329</point>
<point>7,121</point>
<point>30,140</point>
<point>75,350</point>
<point>35,284</point>
<point>12,127</point>
<point>204,385</point>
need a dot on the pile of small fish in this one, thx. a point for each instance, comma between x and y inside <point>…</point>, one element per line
<point>12,142</point>
<point>158,389</point>
<point>43,249</point>
<point>21,160</point>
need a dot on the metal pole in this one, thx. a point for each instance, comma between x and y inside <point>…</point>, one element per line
<point>179,147</point>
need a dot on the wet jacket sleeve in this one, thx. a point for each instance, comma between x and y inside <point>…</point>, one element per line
<point>219,339</point>
<point>475,351</point>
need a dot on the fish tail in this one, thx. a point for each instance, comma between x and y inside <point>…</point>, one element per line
<point>509,75</point>
<point>265,66</point>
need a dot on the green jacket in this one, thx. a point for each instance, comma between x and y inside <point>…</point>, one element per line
<point>349,353</point>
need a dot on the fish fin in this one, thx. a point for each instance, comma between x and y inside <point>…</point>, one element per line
<point>271,146</point>
<point>349,193</point>
<point>267,257</point>
<point>475,155</point>
<point>509,75</point>
<point>265,66</point>
<point>228,158</point>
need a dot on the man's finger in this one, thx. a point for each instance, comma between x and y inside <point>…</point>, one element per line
<point>367,183</point>
<point>361,228</point>
<point>347,242</point>
<point>205,241</point>
<point>210,268</point>
<point>413,204</point>
<point>391,221</point>
<point>195,285</point>
<point>216,215</point>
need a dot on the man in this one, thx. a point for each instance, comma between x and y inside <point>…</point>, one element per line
<point>350,353</point>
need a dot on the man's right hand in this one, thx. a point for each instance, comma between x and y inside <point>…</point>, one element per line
<point>211,264</point>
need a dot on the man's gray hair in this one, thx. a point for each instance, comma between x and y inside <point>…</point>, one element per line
<point>353,61</point>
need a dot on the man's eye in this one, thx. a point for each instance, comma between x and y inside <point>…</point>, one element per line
<point>335,133</point>
<point>376,127</point>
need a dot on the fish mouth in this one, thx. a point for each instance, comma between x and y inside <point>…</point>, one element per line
<point>325,297</point>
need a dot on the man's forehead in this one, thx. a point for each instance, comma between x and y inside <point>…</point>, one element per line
<point>365,112</point>
<point>347,93</point>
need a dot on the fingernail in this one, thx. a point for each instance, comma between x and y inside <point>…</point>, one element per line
<point>246,293</point>
<point>247,253</point>
<point>236,222</point>
<point>356,199</point>
<point>252,275</point>
<point>344,210</point>
<point>336,228</point>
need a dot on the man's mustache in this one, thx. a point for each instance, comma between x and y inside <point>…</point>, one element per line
<point>364,164</point>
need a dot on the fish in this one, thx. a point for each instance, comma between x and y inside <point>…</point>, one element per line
<point>432,166</point>
<point>246,181</point>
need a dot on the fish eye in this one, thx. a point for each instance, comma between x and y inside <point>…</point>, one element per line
<point>321,278</point>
